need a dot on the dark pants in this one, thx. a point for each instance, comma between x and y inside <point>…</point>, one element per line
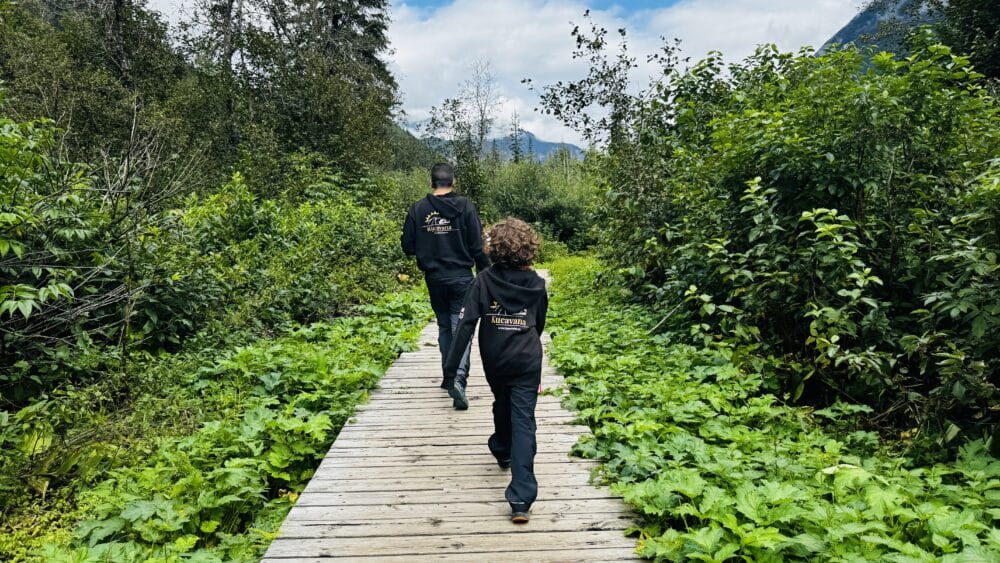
<point>447,296</point>
<point>514,438</point>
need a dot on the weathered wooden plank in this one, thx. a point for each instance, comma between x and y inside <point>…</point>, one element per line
<point>481,428</point>
<point>437,525</point>
<point>443,413</point>
<point>446,441</point>
<point>555,556</point>
<point>434,452</point>
<point>451,491</point>
<point>332,471</point>
<point>465,436</point>
<point>499,510</point>
<point>500,543</point>
<point>548,423</point>
<point>372,417</point>
<point>433,407</point>
<point>459,461</point>
<point>441,481</point>
<point>474,457</point>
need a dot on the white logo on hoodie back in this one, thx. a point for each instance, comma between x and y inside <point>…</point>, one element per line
<point>435,224</point>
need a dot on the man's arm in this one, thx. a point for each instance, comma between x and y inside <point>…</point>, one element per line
<point>409,238</point>
<point>474,238</point>
<point>466,326</point>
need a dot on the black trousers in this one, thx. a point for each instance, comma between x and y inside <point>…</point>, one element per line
<point>514,437</point>
<point>447,296</point>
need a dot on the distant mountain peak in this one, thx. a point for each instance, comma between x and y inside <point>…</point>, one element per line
<point>881,24</point>
<point>541,150</point>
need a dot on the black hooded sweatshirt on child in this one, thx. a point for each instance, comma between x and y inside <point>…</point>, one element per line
<point>445,235</point>
<point>512,305</point>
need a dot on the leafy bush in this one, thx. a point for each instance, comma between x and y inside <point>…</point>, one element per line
<point>834,215</point>
<point>271,410</point>
<point>720,470</point>
<point>95,291</point>
<point>555,196</point>
<point>60,265</point>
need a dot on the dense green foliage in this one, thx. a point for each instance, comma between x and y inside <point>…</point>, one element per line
<point>247,83</point>
<point>972,27</point>
<point>555,195</point>
<point>51,220</point>
<point>79,287</point>
<point>175,205</point>
<point>262,416</point>
<point>89,387</point>
<point>834,219</point>
<point>720,469</point>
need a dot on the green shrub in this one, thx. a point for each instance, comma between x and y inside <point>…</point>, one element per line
<point>271,260</point>
<point>271,411</point>
<point>720,470</point>
<point>555,196</point>
<point>61,272</point>
<point>833,215</point>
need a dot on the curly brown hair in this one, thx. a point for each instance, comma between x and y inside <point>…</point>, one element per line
<point>512,244</point>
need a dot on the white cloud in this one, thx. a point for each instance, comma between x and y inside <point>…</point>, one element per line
<point>434,49</point>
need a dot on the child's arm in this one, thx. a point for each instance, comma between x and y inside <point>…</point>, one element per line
<point>466,326</point>
<point>543,309</point>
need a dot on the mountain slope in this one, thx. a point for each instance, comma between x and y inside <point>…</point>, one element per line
<point>882,24</point>
<point>539,148</point>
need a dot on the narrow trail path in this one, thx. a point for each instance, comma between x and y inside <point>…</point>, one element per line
<point>411,479</point>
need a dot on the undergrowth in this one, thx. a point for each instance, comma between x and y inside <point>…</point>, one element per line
<point>266,414</point>
<point>719,470</point>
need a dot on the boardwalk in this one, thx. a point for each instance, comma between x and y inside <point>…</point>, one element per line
<point>411,479</point>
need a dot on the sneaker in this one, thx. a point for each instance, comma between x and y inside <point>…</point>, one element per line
<point>457,392</point>
<point>519,513</point>
<point>447,384</point>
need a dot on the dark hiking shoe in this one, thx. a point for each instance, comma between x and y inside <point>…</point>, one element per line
<point>447,384</point>
<point>457,392</point>
<point>519,513</point>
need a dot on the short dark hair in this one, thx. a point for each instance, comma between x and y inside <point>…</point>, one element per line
<point>442,175</point>
<point>512,244</point>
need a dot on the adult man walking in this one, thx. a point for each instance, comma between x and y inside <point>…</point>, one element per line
<point>444,233</point>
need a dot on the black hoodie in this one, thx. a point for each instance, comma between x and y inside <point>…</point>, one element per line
<point>512,305</point>
<point>445,235</point>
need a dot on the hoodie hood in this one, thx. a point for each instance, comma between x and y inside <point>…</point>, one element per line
<point>449,205</point>
<point>514,290</point>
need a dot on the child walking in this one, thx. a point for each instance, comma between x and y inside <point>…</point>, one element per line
<point>510,299</point>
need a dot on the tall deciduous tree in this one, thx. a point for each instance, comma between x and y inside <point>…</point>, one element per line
<point>461,125</point>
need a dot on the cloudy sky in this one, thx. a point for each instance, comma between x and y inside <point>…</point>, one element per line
<point>436,41</point>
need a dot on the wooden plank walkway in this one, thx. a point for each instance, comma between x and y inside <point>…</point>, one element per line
<point>411,479</point>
